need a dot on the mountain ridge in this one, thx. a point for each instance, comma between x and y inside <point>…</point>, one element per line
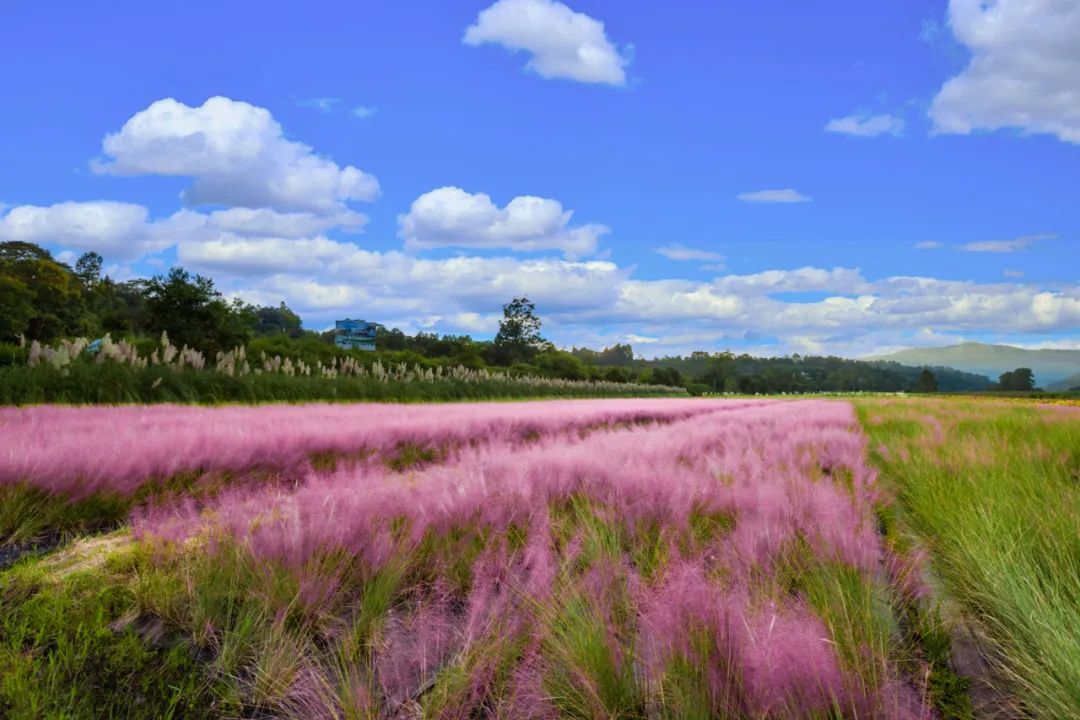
<point>1051,366</point>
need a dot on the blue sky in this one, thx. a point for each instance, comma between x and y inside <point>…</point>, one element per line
<point>930,167</point>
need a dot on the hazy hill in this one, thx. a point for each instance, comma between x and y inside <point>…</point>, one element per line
<point>1067,384</point>
<point>1049,366</point>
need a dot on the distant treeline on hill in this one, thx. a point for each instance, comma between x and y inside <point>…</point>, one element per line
<point>727,372</point>
<point>45,300</point>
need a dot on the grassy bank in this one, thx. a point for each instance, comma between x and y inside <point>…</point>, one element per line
<point>992,491</point>
<point>110,382</point>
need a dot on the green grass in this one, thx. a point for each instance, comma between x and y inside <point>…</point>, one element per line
<point>996,501</point>
<point>68,650</point>
<point>110,382</point>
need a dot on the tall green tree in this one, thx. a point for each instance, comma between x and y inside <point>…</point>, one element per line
<point>42,298</point>
<point>192,311</point>
<point>1020,379</point>
<point>927,382</point>
<point>88,269</point>
<point>278,320</point>
<point>518,339</point>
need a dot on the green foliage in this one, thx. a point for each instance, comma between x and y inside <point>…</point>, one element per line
<point>615,356</point>
<point>84,381</point>
<point>518,339</point>
<point>1019,380</point>
<point>39,297</point>
<point>275,322</point>
<point>927,382</point>
<point>730,373</point>
<point>193,313</point>
<point>66,651</point>
<point>991,491</point>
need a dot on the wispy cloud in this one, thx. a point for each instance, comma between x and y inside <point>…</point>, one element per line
<point>363,111</point>
<point>678,251</point>
<point>322,104</point>
<point>1006,246</point>
<point>1013,273</point>
<point>786,195</point>
<point>931,31</point>
<point>928,245</point>
<point>865,125</point>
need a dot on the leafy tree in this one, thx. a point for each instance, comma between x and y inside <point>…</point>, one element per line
<point>120,307</point>
<point>278,320</point>
<point>518,339</point>
<point>557,363</point>
<point>1020,379</point>
<point>88,269</point>
<point>667,376</point>
<point>719,369</point>
<point>194,313</point>
<point>927,382</point>
<point>16,307</point>
<point>54,293</point>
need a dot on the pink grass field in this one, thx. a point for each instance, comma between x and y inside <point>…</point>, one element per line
<point>81,450</point>
<point>622,558</point>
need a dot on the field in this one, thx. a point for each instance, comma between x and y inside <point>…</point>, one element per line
<point>629,558</point>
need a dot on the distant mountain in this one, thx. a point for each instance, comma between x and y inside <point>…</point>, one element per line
<point>1067,384</point>
<point>1049,366</point>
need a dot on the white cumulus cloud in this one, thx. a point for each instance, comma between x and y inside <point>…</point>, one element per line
<point>266,221</point>
<point>452,217</point>
<point>1024,71</point>
<point>115,229</point>
<point>562,43</point>
<point>237,155</point>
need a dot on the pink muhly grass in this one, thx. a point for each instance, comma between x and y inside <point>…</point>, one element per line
<point>787,474</point>
<point>414,648</point>
<point>772,660</point>
<point>637,475</point>
<point>81,450</point>
<point>525,698</point>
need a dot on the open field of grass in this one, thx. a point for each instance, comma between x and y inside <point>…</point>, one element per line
<point>991,491</point>
<point>737,558</point>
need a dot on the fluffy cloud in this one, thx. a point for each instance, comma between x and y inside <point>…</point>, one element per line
<point>452,217</point>
<point>237,154</point>
<point>677,251</point>
<point>118,230</point>
<point>865,125</point>
<point>1024,71</point>
<point>563,43</point>
<point>787,195</point>
<point>1005,246</point>
<point>265,221</point>
<point>928,245</point>
<point>324,278</point>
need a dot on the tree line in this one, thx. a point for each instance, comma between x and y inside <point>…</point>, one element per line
<point>42,298</point>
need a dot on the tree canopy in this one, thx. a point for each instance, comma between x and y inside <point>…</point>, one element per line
<point>518,339</point>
